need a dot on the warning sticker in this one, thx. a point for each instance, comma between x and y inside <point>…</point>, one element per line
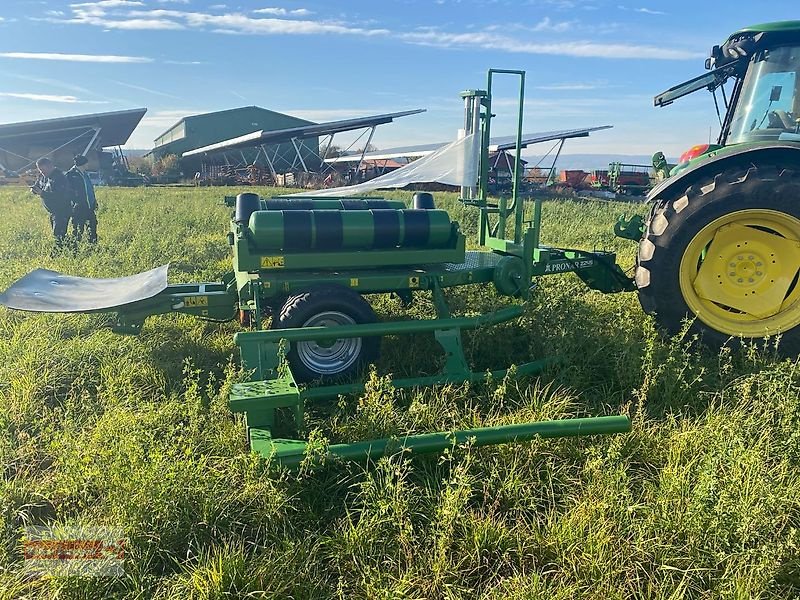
<point>272,262</point>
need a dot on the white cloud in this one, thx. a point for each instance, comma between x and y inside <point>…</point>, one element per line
<point>89,58</point>
<point>128,14</point>
<point>97,14</point>
<point>48,98</point>
<point>270,11</point>
<point>236,23</point>
<point>173,1</point>
<point>282,12</point>
<point>646,11</point>
<point>579,48</point>
<point>547,24</point>
<point>144,24</point>
<point>104,4</point>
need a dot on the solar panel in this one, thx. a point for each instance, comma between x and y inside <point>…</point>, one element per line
<point>509,142</point>
<point>22,143</point>
<point>277,136</point>
<point>116,127</point>
<point>496,143</point>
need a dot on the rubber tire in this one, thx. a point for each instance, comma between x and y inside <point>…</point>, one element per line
<point>673,223</point>
<point>299,308</point>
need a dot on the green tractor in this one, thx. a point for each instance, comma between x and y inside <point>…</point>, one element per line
<point>721,244</point>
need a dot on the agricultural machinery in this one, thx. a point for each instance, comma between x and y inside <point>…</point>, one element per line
<point>305,265</point>
<point>721,244</point>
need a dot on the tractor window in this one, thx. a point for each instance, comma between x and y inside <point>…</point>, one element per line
<point>769,103</point>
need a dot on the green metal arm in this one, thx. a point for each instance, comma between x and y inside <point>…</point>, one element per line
<point>321,334</point>
<point>214,300</point>
<point>290,453</point>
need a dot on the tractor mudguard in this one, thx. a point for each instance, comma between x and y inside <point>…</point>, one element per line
<point>769,153</point>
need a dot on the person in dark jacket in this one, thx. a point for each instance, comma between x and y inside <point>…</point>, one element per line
<point>53,189</point>
<point>84,202</point>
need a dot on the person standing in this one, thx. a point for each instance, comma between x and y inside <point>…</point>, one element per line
<point>53,189</point>
<point>84,202</point>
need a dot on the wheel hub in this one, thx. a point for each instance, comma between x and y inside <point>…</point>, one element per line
<point>329,357</point>
<point>748,270</point>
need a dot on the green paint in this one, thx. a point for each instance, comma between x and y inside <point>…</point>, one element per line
<point>290,453</point>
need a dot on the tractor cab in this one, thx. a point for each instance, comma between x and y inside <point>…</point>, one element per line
<point>762,104</point>
<point>767,101</point>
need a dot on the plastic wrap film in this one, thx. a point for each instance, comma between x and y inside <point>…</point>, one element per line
<point>455,164</point>
<point>48,291</point>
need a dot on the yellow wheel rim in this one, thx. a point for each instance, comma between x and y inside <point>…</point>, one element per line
<point>739,274</point>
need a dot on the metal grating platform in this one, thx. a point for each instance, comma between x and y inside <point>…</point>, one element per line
<point>474,260</point>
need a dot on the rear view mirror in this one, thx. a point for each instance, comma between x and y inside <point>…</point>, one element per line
<point>775,95</point>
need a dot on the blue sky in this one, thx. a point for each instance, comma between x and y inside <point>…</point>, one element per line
<point>591,62</point>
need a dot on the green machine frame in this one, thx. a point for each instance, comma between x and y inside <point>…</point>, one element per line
<point>508,263</point>
<point>267,270</point>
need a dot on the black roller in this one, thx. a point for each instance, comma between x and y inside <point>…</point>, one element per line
<point>328,229</point>
<point>335,230</point>
<point>356,204</point>
<point>387,228</point>
<point>417,227</point>
<point>246,204</point>
<point>423,201</point>
<point>297,229</point>
<point>286,204</point>
<point>330,204</point>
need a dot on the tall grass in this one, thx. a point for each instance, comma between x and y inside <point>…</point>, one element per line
<point>701,500</point>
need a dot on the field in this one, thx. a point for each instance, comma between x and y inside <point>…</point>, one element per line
<point>701,500</point>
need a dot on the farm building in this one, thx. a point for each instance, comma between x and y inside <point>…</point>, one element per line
<point>197,131</point>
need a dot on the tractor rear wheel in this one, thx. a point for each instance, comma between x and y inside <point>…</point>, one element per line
<point>328,306</point>
<point>727,255</point>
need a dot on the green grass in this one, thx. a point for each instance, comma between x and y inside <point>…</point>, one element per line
<point>701,500</point>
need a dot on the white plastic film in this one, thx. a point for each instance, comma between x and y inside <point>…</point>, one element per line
<point>455,164</point>
<point>48,291</point>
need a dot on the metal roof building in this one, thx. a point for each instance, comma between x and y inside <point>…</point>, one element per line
<point>198,131</point>
<point>21,144</point>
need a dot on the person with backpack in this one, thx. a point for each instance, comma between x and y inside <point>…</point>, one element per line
<point>53,189</point>
<point>83,200</point>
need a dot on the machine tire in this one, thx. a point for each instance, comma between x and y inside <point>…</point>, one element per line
<point>742,268</point>
<point>328,305</point>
